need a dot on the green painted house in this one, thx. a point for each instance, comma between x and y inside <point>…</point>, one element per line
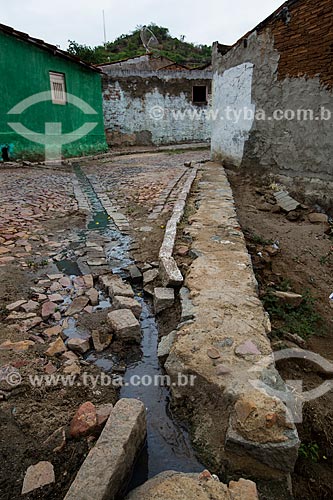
<point>51,101</point>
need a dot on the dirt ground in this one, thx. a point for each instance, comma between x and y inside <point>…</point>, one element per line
<point>301,261</point>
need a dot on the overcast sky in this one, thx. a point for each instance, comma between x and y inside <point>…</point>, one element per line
<point>203,21</point>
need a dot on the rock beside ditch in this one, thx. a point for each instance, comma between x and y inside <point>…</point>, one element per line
<point>37,476</point>
<point>163,298</point>
<point>120,302</point>
<point>172,485</point>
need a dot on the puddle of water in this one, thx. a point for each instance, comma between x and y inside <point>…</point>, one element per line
<point>69,267</point>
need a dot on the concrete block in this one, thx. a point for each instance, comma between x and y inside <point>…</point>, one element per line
<point>163,298</point>
<point>125,325</point>
<point>108,465</point>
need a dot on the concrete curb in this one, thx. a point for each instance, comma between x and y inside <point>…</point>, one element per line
<point>170,274</point>
<point>234,424</point>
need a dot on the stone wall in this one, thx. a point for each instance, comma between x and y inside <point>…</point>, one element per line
<point>147,107</point>
<point>284,64</point>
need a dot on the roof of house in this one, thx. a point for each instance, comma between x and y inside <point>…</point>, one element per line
<point>46,46</point>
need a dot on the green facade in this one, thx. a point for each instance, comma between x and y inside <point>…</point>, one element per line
<point>25,71</point>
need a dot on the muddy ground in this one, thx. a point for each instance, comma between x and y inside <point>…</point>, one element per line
<point>302,263</point>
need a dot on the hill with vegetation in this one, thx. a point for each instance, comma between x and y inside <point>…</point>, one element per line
<point>127,46</point>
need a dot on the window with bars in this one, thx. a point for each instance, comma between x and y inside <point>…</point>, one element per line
<point>58,88</point>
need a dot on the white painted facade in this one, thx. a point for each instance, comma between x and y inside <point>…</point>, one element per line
<point>233,112</point>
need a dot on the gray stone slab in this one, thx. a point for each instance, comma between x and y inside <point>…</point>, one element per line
<point>109,464</point>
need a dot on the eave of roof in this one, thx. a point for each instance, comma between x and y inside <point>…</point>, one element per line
<point>46,46</point>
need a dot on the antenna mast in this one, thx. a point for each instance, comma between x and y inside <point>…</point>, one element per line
<point>104,29</point>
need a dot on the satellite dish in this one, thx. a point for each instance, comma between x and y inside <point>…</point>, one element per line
<point>148,39</point>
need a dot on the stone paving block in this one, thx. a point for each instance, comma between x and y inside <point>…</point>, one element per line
<point>120,302</point>
<point>116,286</point>
<point>125,325</point>
<point>163,298</point>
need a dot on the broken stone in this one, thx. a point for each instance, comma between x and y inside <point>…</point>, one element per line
<point>55,276</point>
<point>84,420</point>
<point>116,286</point>
<point>127,303</point>
<point>222,370</point>
<point>49,368</point>
<point>293,299</point>
<point>248,348</point>
<point>213,353</point>
<point>65,282</point>
<point>96,262</point>
<point>243,489</point>
<point>71,368</point>
<point>135,274</point>
<point>78,304</point>
<point>92,293</point>
<point>163,298</point>
<point>318,218</point>
<point>22,345</point>
<point>54,330</point>
<point>149,276</point>
<point>55,287</point>
<point>125,325</point>
<point>70,356</point>
<point>165,345</point>
<point>37,476</point>
<point>56,297</point>
<point>15,305</point>
<point>101,340</point>
<point>182,251</point>
<point>28,324</point>
<point>48,308</point>
<point>57,347</point>
<point>88,280</point>
<point>20,315</point>
<point>79,345</point>
<point>102,413</point>
<point>169,272</point>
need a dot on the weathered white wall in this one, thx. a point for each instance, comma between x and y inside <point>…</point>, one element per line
<point>133,114</point>
<point>234,112</point>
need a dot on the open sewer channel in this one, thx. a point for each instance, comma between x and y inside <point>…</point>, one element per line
<point>168,444</point>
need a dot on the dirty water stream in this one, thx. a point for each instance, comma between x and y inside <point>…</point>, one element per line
<point>168,445</point>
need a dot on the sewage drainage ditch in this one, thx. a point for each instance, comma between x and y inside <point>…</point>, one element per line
<point>168,444</point>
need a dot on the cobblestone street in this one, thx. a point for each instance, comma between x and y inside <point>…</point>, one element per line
<point>62,231</point>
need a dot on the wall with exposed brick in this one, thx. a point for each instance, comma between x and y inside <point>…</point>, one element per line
<point>154,107</point>
<point>291,53</point>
